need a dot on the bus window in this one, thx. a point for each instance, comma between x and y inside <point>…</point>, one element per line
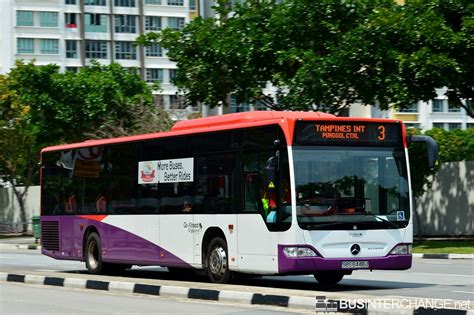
<point>254,180</point>
<point>215,183</point>
<point>123,183</point>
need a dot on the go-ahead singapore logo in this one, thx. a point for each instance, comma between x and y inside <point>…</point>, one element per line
<point>148,172</point>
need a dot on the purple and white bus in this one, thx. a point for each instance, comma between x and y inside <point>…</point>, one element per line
<point>262,193</point>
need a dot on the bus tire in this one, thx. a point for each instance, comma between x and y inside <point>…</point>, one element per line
<point>93,254</point>
<point>328,277</point>
<point>217,261</point>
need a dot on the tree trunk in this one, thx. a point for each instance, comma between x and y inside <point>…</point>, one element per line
<point>20,196</point>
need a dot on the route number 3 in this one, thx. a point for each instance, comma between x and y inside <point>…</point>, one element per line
<point>381,136</point>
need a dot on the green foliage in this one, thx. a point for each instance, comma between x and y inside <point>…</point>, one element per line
<point>454,146</point>
<point>325,55</point>
<point>40,107</point>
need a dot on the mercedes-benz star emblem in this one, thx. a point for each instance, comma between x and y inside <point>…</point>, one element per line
<point>355,249</point>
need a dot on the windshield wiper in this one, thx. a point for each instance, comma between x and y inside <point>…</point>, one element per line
<point>381,219</point>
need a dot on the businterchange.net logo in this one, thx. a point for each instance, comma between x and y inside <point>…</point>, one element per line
<point>323,304</point>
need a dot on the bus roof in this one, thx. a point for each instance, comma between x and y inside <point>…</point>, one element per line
<point>245,117</point>
<point>214,123</point>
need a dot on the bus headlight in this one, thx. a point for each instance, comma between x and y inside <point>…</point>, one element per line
<point>294,252</point>
<point>402,249</point>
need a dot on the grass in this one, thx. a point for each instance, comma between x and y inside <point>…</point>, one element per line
<point>443,247</point>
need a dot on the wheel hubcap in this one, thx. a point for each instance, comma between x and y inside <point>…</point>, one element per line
<point>218,262</point>
<point>93,255</point>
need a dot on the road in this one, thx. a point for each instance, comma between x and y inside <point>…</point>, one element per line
<point>28,299</point>
<point>428,278</point>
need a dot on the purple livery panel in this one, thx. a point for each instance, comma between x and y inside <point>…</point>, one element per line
<point>118,245</point>
<point>312,264</point>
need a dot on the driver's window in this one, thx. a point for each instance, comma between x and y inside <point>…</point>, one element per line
<point>255,180</point>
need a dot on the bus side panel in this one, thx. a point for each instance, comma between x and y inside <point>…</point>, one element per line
<point>124,239</point>
<point>257,245</point>
<point>132,238</point>
<point>174,236</point>
<point>227,224</point>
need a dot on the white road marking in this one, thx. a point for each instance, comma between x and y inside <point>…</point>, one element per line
<point>437,263</point>
<point>466,292</point>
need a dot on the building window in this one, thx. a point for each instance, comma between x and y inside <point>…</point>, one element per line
<point>70,19</point>
<point>413,108</point>
<point>438,106</point>
<point>159,100</point>
<point>71,49</point>
<point>154,75</point>
<point>176,22</point>
<point>125,3</point>
<point>176,2</point>
<point>49,46</point>
<point>469,125</point>
<point>260,106</point>
<point>192,4</point>
<point>48,19</point>
<point>152,1</point>
<point>177,102</point>
<point>73,69</point>
<point>125,50</point>
<point>96,49</point>
<point>94,2</point>
<point>24,18</point>
<point>25,45</point>
<point>70,2</point>
<point>438,125</point>
<point>154,51</point>
<point>125,24</point>
<point>453,109</point>
<point>453,126</point>
<point>172,73</point>
<point>238,107</point>
<point>153,23</point>
<point>96,23</point>
<point>412,125</point>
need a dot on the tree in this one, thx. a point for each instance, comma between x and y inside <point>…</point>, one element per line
<point>325,55</point>
<point>404,53</point>
<point>40,106</point>
<point>454,146</point>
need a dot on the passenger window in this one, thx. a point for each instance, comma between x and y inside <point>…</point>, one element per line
<point>215,183</point>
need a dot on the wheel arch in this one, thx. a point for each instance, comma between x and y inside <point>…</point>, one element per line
<point>90,229</point>
<point>209,235</point>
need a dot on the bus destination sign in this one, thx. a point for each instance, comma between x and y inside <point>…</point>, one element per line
<point>348,133</point>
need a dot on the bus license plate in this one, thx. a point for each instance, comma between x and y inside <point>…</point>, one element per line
<point>355,264</point>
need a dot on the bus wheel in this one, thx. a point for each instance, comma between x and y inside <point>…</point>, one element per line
<point>217,262</point>
<point>328,277</point>
<point>93,254</point>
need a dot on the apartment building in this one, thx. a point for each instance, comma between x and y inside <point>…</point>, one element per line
<point>71,33</point>
<point>436,113</point>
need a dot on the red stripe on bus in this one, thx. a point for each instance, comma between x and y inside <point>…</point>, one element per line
<point>95,217</point>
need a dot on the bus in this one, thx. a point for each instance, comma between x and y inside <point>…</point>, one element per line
<point>259,193</point>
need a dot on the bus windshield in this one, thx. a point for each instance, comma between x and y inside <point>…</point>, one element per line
<point>351,187</point>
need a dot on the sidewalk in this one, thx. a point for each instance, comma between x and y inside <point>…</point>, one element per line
<point>26,242</point>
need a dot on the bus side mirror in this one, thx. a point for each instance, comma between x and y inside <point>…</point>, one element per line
<point>273,162</point>
<point>431,147</point>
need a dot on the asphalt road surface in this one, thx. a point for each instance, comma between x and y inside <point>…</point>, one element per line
<point>28,299</point>
<point>428,278</point>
